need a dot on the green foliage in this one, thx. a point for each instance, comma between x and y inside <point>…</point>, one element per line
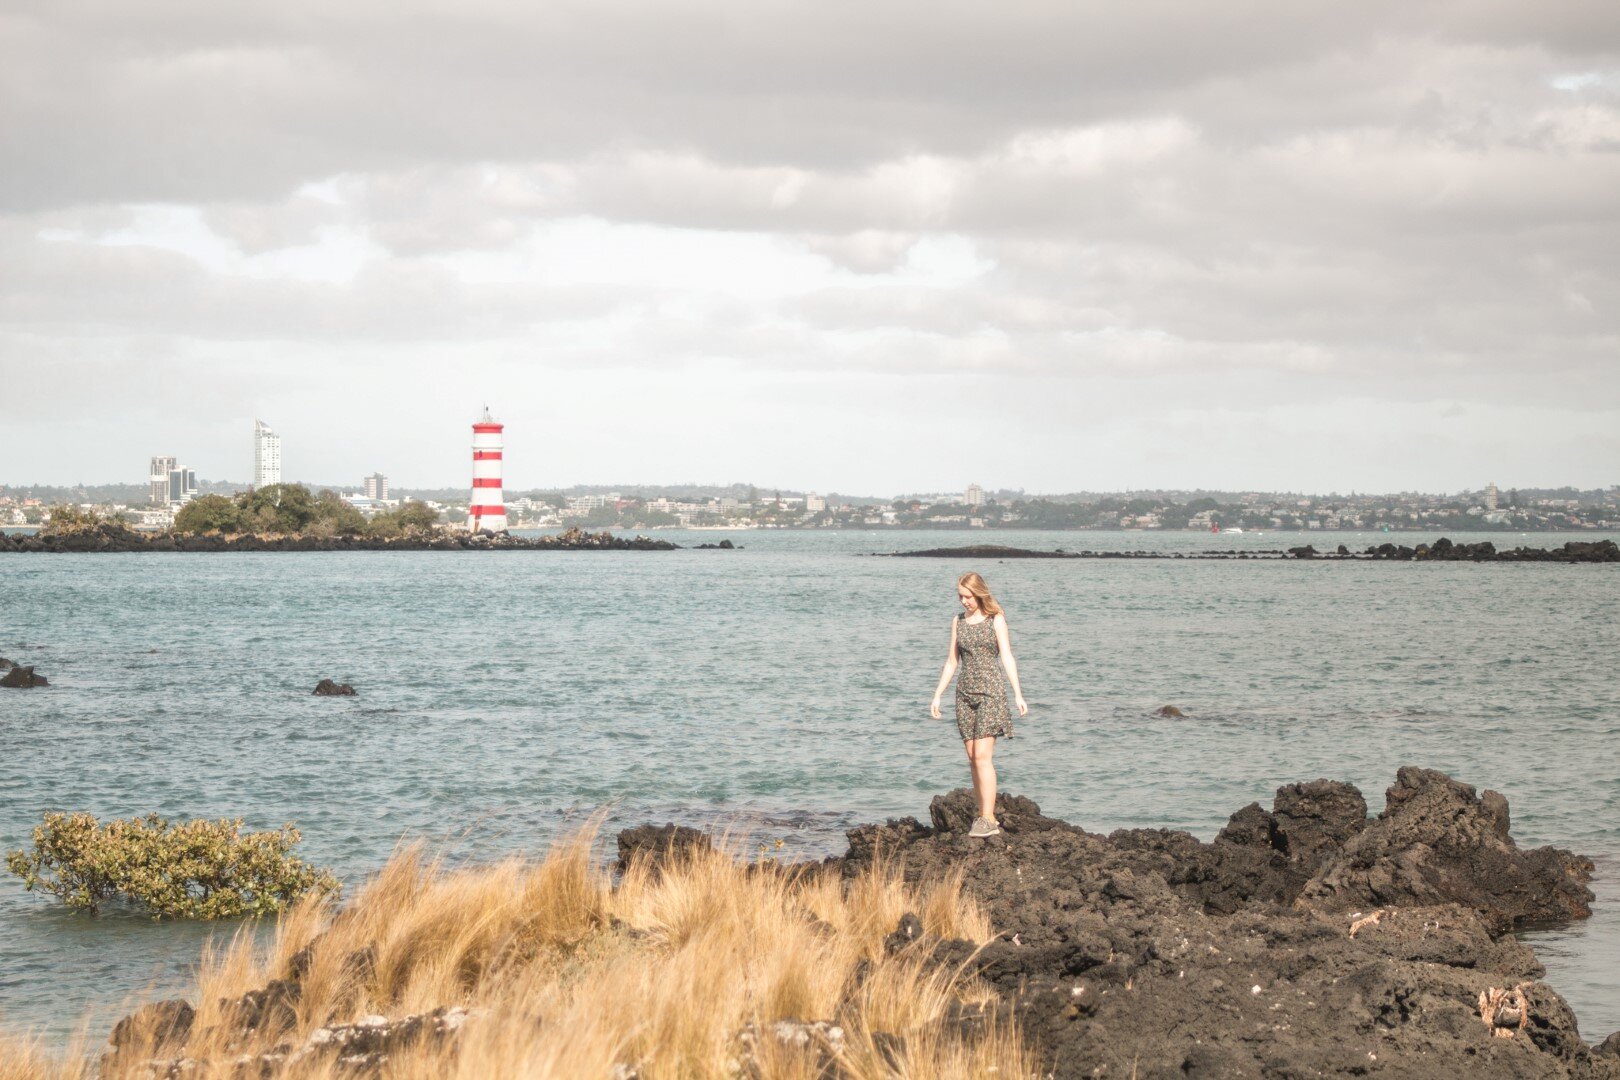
<point>66,518</point>
<point>210,513</point>
<point>405,519</point>
<point>277,508</point>
<point>192,870</point>
<point>334,517</point>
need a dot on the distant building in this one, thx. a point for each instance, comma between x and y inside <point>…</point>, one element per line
<point>266,455</point>
<point>158,480</point>
<point>182,486</point>
<point>377,487</point>
<point>1492,496</point>
<point>973,496</point>
<point>814,503</point>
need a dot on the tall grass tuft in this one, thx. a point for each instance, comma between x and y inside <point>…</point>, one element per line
<point>571,974</point>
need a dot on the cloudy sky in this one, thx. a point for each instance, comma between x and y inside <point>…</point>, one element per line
<point>823,245</point>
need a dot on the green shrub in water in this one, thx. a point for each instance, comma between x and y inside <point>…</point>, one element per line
<point>180,870</point>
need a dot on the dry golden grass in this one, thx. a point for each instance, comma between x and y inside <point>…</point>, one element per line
<point>572,975</point>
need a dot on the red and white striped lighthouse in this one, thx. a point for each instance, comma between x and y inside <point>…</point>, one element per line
<point>486,512</point>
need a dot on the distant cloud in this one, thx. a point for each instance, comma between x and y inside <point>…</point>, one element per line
<point>1154,244</point>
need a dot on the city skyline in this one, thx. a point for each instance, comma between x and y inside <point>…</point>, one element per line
<point>1250,246</point>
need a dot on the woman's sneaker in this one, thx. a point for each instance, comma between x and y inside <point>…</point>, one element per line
<point>984,827</point>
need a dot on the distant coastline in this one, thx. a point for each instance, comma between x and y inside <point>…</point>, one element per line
<point>1442,550</point>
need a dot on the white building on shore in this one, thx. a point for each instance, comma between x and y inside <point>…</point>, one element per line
<point>266,455</point>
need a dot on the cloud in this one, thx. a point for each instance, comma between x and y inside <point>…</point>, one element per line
<point>1253,209</point>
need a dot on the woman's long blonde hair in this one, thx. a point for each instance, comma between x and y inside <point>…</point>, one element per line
<point>974,584</point>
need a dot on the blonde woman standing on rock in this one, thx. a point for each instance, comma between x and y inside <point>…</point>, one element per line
<point>978,637</point>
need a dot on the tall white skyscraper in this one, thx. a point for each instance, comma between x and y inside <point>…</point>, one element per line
<point>973,496</point>
<point>158,480</point>
<point>266,455</point>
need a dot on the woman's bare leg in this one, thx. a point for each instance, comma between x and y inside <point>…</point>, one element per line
<point>981,759</point>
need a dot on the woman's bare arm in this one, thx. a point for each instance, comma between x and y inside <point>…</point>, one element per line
<point>945,675</point>
<point>1008,663</point>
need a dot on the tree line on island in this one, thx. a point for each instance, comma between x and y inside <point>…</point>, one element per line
<point>276,510</point>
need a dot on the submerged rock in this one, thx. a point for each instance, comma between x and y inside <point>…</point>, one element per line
<point>328,688</point>
<point>1169,712</point>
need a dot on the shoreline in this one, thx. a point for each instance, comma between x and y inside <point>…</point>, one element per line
<point>108,538</point>
<point>1310,938</point>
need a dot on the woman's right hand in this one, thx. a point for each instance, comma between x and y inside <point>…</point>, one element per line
<point>933,709</point>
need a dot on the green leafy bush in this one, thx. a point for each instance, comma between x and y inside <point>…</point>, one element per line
<point>211,513</point>
<point>408,519</point>
<point>188,870</point>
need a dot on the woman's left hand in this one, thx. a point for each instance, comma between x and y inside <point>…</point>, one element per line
<point>1023,706</point>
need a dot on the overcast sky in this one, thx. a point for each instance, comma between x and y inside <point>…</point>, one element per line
<point>823,245</point>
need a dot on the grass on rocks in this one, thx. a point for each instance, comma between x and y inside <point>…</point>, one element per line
<point>571,974</point>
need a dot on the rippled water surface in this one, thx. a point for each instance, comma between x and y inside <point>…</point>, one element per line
<point>505,695</point>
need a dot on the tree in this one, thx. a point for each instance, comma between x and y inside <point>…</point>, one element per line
<point>69,518</point>
<point>409,517</point>
<point>278,508</point>
<point>211,513</point>
<point>417,516</point>
<point>335,517</point>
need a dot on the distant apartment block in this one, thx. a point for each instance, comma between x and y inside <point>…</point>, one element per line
<point>814,503</point>
<point>266,455</point>
<point>377,487</point>
<point>182,486</point>
<point>1492,496</point>
<point>158,480</point>
<point>973,496</point>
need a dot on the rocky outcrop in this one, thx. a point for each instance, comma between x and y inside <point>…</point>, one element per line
<point>1305,940</point>
<point>1438,843</point>
<point>656,843</point>
<point>982,551</point>
<point>361,1049</point>
<point>21,677</point>
<point>1444,550</point>
<point>329,688</point>
<point>1169,712</point>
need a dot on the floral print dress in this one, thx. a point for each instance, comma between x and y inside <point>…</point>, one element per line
<point>981,696</point>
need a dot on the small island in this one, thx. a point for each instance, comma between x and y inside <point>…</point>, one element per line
<point>289,517</point>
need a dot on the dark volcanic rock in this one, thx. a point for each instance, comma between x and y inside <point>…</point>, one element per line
<point>655,843</point>
<point>1437,843</point>
<point>1150,953</point>
<point>328,688</point>
<point>22,677</point>
<point>155,1024</point>
<point>983,551</point>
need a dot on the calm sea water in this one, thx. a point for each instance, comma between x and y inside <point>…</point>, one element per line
<point>782,688</point>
